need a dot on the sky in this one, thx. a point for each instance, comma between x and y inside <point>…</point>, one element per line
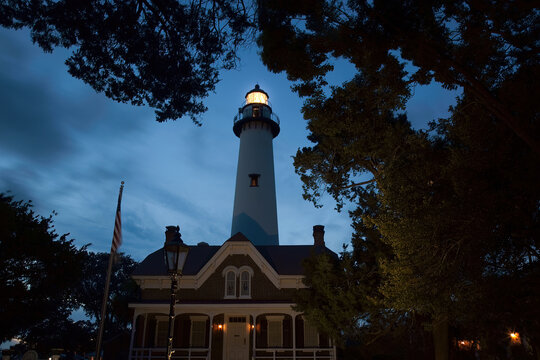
<point>67,148</point>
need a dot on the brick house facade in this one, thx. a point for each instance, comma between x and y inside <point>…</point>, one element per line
<point>234,301</point>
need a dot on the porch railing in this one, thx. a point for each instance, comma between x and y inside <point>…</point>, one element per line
<point>178,354</point>
<point>293,354</point>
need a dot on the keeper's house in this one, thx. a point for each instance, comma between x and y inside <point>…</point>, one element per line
<point>235,301</point>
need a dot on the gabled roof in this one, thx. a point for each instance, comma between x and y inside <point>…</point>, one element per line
<point>284,259</point>
<point>154,264</point>
<point>287,259</point>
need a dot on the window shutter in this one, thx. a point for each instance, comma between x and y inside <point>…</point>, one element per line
<point>177,332</point>
<point>207,336</point>
<point>186,327</point>
<point>139,331</point>
<point>151,332</point>
<point>287,332</point>
<point>299,332</point>
<point>275,333</point>
<point>262,333</point>
<point>324,341</point>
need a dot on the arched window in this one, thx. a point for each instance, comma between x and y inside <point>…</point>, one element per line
<point>246,274</point>
<point>245,284</point>
<point>230,284</point>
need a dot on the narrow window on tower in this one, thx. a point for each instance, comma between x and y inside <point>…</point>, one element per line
<point>254,180</point>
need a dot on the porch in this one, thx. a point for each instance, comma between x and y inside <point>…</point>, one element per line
<point>222,331</point>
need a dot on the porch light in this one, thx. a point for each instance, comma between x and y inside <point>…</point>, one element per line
<point>514,337</point>
<point>175,253</point>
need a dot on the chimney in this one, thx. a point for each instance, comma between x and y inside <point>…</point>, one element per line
<point>172,233</point>
<point>318,235</point>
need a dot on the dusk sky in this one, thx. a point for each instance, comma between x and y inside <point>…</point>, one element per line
<point>67,148</point>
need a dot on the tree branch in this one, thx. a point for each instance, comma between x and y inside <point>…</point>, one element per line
<point>357,184</point>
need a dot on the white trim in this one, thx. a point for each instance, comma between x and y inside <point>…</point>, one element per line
<point>194,281</point>
<point>229,268</point>
<point>238,248</point>
<point>215,309</point>
<point>229,248</point>
<point>246,268</point>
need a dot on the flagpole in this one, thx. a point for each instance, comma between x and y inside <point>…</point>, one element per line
<point>115,244</point>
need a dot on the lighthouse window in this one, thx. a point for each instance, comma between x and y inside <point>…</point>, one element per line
<point>256,111</point>
<point>254,180</point>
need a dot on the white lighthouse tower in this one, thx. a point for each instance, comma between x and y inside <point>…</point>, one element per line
<point>255,212</point>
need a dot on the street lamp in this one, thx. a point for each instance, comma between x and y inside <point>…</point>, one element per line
<point>175,252</point>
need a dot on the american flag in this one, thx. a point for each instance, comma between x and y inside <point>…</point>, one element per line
<point>117,236</point>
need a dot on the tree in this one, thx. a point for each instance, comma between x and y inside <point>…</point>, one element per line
<point>454,207</point>
<point>448,219</point>
<point>122,290</point>
<point>38,270</point>
<point>488,48</point>
<point>162,53</point>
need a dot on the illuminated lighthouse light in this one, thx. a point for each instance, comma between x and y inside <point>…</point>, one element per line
<point>256,98</point>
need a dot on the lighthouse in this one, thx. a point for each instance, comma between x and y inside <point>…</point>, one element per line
<point>255,211</point>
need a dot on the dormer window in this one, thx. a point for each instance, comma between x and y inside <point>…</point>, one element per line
<point>254,180</point>
<point>240,278</point>
<point>230,284</point>
<point>246,273</point>
<point>245,284</point>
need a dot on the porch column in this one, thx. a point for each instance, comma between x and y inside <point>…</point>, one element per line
<point>210,334</point>
<point>294,335</point>
<point>133,329</point>
<point>253,336</point>
<point>144,330</point>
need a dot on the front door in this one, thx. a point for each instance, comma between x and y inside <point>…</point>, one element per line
<point>237,339</point>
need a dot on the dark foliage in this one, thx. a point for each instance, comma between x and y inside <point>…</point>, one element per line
<point>162,53</point>
<point>446,219</point>
<point>122,289</point>
<point>489,48</point>
<point>39,271</point>
<point>44,277</point>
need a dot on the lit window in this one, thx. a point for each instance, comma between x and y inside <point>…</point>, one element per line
<point>230,284</point>
<point>198,331</point>
<point>256,111</point>
<point>275,331</point>
<point>311,335</point>
<point>244,284</point>
<point>254,180</point>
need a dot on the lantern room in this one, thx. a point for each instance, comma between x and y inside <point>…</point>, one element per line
<point>257,96</point>
<point>256,108</point>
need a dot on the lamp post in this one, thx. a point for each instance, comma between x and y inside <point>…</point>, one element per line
<point>175,252</point>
